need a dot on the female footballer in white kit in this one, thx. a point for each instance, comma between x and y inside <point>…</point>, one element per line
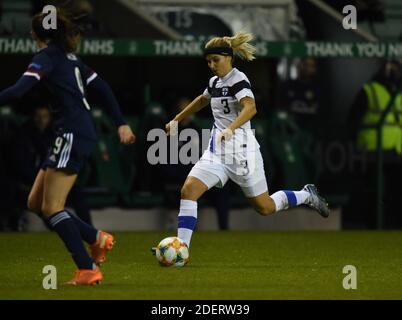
<point>233,151</point>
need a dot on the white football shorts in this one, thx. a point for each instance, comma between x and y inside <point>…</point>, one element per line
<point>245,169</point>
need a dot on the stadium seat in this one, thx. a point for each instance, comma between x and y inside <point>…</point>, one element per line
<point>103,178</point>
<point>16,17</point>
<point>260,125</point>
<point>128,154</point>
<point>155,117</point>
<point>284,139</point>
<point>129,157</point>
<point>113,166</point>
<point>9,124</point>
<point>103,124</point>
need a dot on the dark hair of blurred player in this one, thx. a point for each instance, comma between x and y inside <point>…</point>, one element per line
<point>66,36</point>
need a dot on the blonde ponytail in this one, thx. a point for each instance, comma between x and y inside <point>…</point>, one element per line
<point>239,44</point>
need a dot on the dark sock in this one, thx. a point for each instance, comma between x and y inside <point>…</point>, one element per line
<point>67,230</point>
<point>88,233</point>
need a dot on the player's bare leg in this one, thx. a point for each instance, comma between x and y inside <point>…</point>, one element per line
<point>35,197</point>
<point>57,185</point>
<point>100,242</point>
<point>55,197</point>
<point>263,204</point>
<point>193,188</point>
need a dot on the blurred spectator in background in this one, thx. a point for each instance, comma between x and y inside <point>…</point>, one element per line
<point>175,174</point>
<point>30,150</point>
<point>297,129</point>
<point>301,96</point>
<point>31,146</point>
<point>372,103</point>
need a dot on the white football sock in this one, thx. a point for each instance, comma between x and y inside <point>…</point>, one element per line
<point>187,220</point>
<point>284,199</point>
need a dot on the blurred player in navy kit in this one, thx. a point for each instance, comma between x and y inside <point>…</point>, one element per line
<point>301,97</point>
<point>66,78</point>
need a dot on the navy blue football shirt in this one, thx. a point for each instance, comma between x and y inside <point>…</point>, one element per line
<point>66,78</point>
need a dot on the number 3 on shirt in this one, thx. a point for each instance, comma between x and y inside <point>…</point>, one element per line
<point>81,86</point>
<point>225,104</point>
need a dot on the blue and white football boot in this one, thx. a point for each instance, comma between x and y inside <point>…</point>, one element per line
<point>316,201</point>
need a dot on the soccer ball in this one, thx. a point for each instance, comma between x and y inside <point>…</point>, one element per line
<point>172,251</point>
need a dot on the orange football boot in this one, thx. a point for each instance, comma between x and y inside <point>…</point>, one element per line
<point>99,249</point>
<point>86,277</point>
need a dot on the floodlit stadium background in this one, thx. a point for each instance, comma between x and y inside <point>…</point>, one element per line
<point>151,54</point>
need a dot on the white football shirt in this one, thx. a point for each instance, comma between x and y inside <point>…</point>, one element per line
<point>224,95</point>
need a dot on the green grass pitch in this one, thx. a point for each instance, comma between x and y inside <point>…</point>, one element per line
<point>223,265</point>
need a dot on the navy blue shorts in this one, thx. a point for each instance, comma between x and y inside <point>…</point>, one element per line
<point>69,151</point>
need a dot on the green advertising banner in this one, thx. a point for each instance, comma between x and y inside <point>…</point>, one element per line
<point>173,48</point>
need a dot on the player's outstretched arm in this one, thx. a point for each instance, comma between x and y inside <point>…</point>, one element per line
<point>22,86</point>
<point>196,105</point>
<point>40,66</point>
<point>249,110</point>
